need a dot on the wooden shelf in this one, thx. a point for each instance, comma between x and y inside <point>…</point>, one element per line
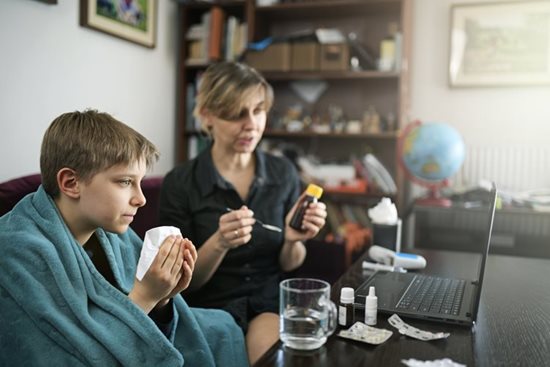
<point>334,8</point>
<point>311,134</point>
<point>357,198</point>
<point>223,4</point>
<point>333,75</point>
<point>197,65</point>
<point>392,135</point>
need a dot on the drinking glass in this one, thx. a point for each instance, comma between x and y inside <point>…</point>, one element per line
<point>307,316</point>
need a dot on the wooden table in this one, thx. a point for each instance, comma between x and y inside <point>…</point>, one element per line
<point>513,326</point>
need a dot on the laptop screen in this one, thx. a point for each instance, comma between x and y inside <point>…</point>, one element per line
<point>485,246</point>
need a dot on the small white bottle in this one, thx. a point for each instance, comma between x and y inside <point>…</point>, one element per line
<point>371,307</point>
<point>346,308</point>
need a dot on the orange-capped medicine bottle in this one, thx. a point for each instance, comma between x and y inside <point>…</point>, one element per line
<point>313,193</point>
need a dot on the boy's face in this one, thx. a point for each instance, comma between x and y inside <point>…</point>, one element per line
<point>111,198</point>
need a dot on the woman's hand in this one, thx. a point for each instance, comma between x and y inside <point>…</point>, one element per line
<point>314,219</point>
<point>164,275</point>
<point>235,227</point>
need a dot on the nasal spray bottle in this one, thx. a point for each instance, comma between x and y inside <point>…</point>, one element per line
<point>371,307</point>
<point>313,193</point>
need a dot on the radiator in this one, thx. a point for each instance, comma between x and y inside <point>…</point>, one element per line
<point>515,168</point>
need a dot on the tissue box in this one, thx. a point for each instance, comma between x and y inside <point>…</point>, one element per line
<point>334,57</point>
<point>304,56</point>
<point>276,57</point>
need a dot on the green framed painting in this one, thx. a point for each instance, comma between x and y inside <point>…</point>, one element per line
<point>132,20</point>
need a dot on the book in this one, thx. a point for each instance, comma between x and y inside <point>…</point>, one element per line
<point>190,123</point>
<point>361,216</point>
<point>379,174</point>
<point>206,20</point>
<point>335,219</point>
<point>349,215</point>
<point>217,21</point>
<point>241,42</point>
<point>196,144</point>
<point>230,37</point>
<point>197,41</point>
<point>195,32</point>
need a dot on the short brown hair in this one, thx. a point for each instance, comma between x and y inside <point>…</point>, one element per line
<point>90,142</point>
<point>223,87</point>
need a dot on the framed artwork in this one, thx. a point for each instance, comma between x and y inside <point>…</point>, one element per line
<point>500,44</point>
<point>132,20</point>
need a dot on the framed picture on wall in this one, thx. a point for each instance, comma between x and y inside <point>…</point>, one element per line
<point>500,44</point>
<point>132,20</point>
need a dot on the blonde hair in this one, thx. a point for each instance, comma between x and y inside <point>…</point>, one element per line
<point>224,88</point>
<point>90,142</point>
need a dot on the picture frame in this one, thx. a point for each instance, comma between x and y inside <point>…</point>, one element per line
<point>500,44</point>
<point>131,20</point>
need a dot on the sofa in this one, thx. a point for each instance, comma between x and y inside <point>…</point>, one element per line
<point>147,217</point>
<point>325,260</point>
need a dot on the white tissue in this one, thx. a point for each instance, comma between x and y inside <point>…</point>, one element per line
<point>153,239</point>
<point>445,362</point>
<point>384,212</point>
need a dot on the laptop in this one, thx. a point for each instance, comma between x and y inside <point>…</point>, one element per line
<point>431,297</point>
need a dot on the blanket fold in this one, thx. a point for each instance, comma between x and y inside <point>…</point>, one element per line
<point>57,309</point>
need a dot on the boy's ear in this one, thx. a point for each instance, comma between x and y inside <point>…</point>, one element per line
<point>68,182</point>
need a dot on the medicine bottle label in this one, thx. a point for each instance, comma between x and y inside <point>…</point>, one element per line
<point>345,315</point>
<point>342,315</point>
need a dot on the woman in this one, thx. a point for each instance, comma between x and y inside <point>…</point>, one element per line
<point>215,199</point>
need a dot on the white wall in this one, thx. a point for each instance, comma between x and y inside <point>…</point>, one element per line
<point>506,117</point>
<point>49,65</point>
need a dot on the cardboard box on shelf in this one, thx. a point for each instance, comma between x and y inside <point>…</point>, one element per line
<point>335,57</point>
<point>305,56</point>
<point>276,57</point>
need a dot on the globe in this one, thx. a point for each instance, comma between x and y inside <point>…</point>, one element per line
<point>431,153</point>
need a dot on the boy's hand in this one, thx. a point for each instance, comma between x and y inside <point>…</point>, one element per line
<point>189,259</point>
<point>163,275</point>
<point>235,227</point>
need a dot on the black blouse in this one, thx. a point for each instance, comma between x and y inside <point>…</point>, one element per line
<point>194,196</point>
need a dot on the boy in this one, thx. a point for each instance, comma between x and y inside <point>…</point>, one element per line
<point>68,292</point>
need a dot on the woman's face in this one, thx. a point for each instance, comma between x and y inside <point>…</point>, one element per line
<point>242,133</point>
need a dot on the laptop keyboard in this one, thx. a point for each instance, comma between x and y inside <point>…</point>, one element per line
<point>434,295</point>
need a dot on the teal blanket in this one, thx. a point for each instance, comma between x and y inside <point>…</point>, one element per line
<point>56,309</point>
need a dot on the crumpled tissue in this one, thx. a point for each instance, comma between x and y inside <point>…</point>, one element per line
<point>151,244</point>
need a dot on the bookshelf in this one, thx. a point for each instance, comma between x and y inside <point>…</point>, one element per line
<point>352,90</point>
<point>207,32</point>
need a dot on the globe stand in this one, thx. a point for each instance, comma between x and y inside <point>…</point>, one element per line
<point>434,198</point>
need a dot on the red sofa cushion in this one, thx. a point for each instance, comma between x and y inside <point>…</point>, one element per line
<point>14,190</point>
<point>147,217</point>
